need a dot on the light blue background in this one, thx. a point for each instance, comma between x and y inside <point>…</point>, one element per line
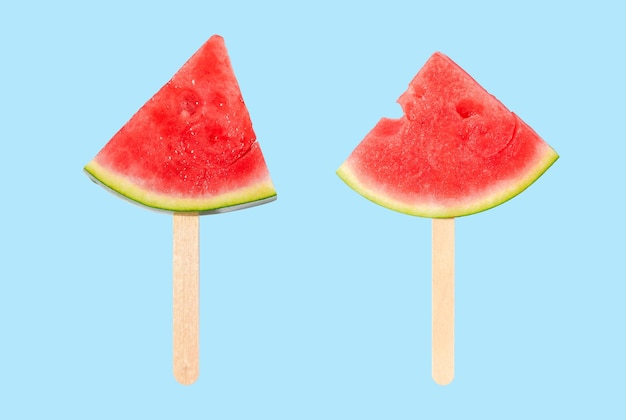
<point>316,306</point>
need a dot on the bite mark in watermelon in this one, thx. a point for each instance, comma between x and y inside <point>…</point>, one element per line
<point>456,151</point>
<point>191,147</point>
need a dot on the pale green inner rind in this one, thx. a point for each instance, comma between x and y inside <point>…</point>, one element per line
<point>259,193</point>
<point>501,192</point>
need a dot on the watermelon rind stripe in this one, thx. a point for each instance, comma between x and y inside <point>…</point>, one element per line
<point>256,194</point>
<point>498,194</point>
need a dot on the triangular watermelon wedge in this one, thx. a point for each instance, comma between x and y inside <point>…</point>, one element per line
<point>456,150</point>
<point>191,147</point>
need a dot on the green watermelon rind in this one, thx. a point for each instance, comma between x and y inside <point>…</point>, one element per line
<point>498,194</point>
<point>256,194</point>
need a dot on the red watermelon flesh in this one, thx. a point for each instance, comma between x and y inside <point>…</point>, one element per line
<point>457,150</point>
<point>191,147</point>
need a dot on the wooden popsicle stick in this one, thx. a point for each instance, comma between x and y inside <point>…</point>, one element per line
<point>443,300</point>
<point>186,282</point>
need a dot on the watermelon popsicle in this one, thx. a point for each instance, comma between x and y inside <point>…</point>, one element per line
<point>190,150</point>
<point>456,151</point>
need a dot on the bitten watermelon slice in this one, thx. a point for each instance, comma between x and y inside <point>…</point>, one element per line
<point>191,147</point>
<point>456,150</point>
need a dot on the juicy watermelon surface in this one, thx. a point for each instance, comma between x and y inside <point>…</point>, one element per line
<point>456,150</point>
<point>191,147</point>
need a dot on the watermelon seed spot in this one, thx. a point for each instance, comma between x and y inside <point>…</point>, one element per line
<point>468,107</point>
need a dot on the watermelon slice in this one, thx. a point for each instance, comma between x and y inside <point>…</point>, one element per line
<point>456,150</point>
<point>191,147</point>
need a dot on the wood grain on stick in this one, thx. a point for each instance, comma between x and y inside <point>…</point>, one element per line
<point>443,300</point>
<point>186,282</point>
